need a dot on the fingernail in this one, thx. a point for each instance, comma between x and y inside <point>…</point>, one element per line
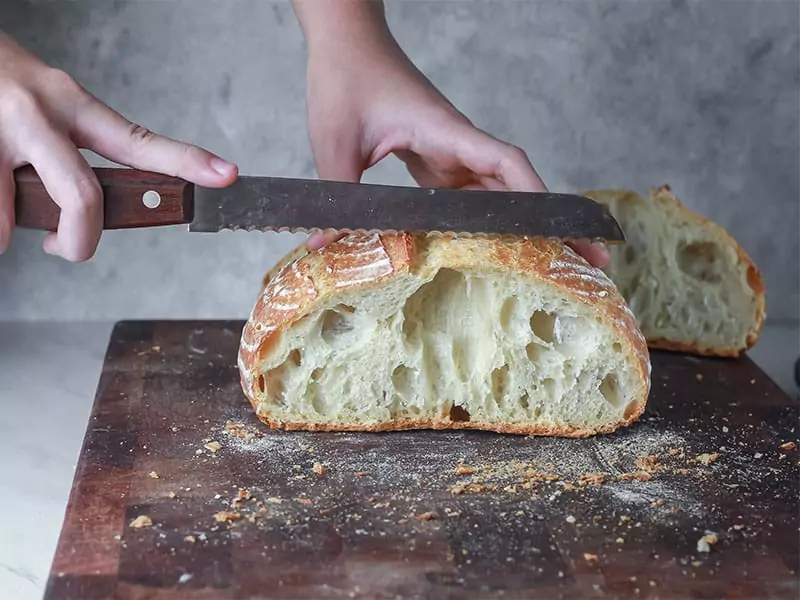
<point>223,167</point>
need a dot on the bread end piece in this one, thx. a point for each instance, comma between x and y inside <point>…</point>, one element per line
<point>692,287</point>
<point>392,332</point>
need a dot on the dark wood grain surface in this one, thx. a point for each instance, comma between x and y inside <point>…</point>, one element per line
<point>447,515</point>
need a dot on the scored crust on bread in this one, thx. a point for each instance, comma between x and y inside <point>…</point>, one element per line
<point>397,331</point>
<point>689,283</point>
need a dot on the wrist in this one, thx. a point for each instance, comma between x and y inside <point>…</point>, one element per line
<point>349,27</point>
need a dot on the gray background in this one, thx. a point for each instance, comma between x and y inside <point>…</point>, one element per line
<point>700,95</point>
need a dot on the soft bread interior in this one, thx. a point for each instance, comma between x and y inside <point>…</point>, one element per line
<point>681,275</point>
<point>453,346</point>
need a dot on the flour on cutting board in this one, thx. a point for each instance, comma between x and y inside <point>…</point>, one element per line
<point>644,465</point>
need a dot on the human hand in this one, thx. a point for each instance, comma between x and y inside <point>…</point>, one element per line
<point>366,100</point>
<point>45,118</point>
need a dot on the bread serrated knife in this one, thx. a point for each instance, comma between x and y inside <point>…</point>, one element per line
<point>135,199</point>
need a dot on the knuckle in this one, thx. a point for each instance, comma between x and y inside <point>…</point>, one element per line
<point>18,103</point>
<point>86,197</point>
<point>61,82</point>
<point>515,155</point>
<point>139,135</point>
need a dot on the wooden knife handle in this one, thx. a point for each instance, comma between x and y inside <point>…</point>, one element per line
<point>131,199</point>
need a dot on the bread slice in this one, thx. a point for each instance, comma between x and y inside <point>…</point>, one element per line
<point>690,285</point>
<point>389,332</point>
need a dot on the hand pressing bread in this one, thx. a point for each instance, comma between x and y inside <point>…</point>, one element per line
<point>399,331</point>
<point>689,283</point>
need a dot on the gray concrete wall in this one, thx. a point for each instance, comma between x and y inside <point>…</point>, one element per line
<point>700,95</point>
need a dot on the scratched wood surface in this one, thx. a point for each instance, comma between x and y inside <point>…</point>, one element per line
<point>422,514</point>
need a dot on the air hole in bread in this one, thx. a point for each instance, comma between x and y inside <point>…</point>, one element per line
<point>261,385</point>
<point>295,358</point>
<point>336,322</point>
<point>701,261</point>
<point>460,360</point>
<point>534,351</point>
<point>507,313</point>
<point>616,347</point>
<point>458,413</point>
<point>542,324</point>
<point>549,386</point>
<point>523,401</point>
<point>629,254</point>
<point>499,382</point>
<point>609,388</point>
<point>402,380</point>
<point>317,399</point>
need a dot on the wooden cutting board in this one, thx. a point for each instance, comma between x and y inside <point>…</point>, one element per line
<point>422,514</point>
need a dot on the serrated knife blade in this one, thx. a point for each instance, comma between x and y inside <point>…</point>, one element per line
<point>269,203</point>
<point>142,199</point>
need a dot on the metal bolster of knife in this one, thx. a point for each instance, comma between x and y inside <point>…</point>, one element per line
<point>131,199</point>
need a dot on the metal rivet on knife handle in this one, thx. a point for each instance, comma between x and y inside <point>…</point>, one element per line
<point>151,199</point>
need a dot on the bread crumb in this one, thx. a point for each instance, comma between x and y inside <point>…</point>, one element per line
<point>624,518</point>
<point>190,538</point>
<point>706,458</point>
<point>360,473</point>
<point>319,468</point>
<point>570,519</point>
<point>620,540</point>
<point>172,495</point>
<point>591,479</point>
<point>213,446</point>
<point>465,470</point>
<point>698,376</point>
<point>427,516</point>
<point>224,516</point>
<point>757,455</point>
<point>243,494</point>
<point>273,500</point>
<point>152,475</point>
<point>590,558</point>
<point>141,522</point>
<point>252,517</point>
<point>704,543</point>
<point>304,501</point>
<point>738,527</point>
<point>788,446</point>
<point>674,451</point>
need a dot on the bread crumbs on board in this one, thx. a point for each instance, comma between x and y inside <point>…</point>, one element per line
<point>141,522</point>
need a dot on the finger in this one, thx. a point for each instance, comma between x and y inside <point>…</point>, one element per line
<point>320,240</point>
<point>72,184</point>
<point>596,254</point>
<point>339,161</point>
<point>489,157</point>
<point>111,135</point>
<point>7,189</point>
<point>335,162</point>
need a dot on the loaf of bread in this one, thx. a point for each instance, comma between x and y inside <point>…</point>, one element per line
<point>690,285</point>
<point>396,331</point>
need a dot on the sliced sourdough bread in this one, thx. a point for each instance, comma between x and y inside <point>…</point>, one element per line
<point>389,332</point>
<point>689,283</point>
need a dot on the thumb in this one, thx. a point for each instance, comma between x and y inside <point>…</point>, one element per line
<point>335,162</point>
